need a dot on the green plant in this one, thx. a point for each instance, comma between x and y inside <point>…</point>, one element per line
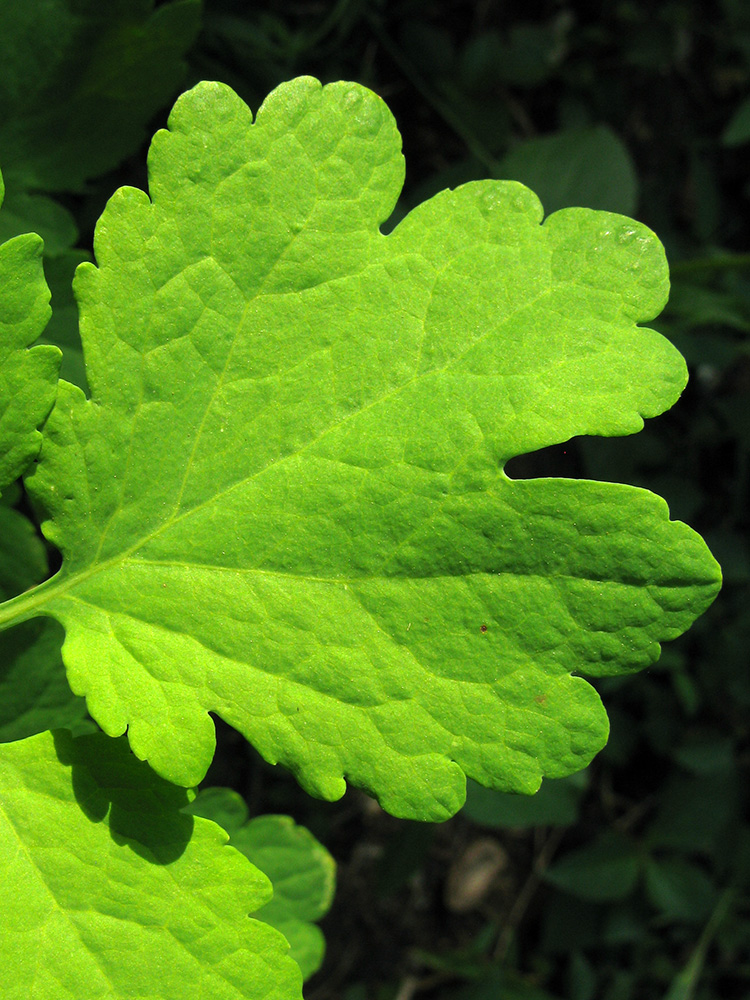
<point>284,502</point>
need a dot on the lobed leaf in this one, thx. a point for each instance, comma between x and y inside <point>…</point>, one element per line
<point>110,892</point>
<point>301,870</point>
<point>285,500</point>
<point>28,378</point>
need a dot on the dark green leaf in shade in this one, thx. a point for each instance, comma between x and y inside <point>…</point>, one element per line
<point>555,804</point>
<point>605,870</point>
<point>80,80</point>
<point>34,691</point>
<point>35,213</point>
<point>24,213</point>
<point>62,329</point>
<point>586,166</point>
<point>737,131</point>
<point>679,889</point>
<point>23,558</point>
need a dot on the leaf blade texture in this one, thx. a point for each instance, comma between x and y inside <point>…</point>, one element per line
<point>285,501</point>
<point>109,891</point>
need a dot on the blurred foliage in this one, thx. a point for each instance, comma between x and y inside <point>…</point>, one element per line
<point>631,882</point>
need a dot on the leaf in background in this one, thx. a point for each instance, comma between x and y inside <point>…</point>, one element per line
<point>34,213</point>
<point>580,166</point>
<point>679,889</point>
<point>301,870</point>
<point>109,891</point>
<point>285,500</point>
<point>23,559</point>
<point>62,329</point>
<point>604,870</point>
<point>737,131</point>
<point>28,378</point>
<point>498,983</point>
<point>26,213</point>
<point>34,691</point>
<point>80,80</point>
<point>555,804</point>
<point>678,825</point>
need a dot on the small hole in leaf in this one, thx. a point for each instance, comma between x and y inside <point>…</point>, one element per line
<point>482,628</point>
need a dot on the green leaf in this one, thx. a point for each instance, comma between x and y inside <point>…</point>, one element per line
<point>23,559</point>
<point>555,804</point>
<point>62,329</point>
<point>25,213</point>
<point>80,80</point>
<point>34,213</point>
<point>577,166</point>
<point>737,131</point>
<point>301,870</point>
<point>604,870</point>
<point>679,889</point>
<point>28,378</point>
<point>111,893</point>
<point>285,500</point>
<point>34,692</point>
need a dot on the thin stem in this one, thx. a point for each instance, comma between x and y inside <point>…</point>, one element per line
<point>26,605</point>
<point>683,986</point>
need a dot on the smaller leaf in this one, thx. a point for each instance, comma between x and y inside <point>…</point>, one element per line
<point>223,806</point>
<point>28,378</point>
<point>679,889</point>
<point>80,80</point>
<point>604,870</point>
<point>109,891</point>
<point>34,691</point>
<point>301,870</point>
<point>590,167</point>
<point>23,559</point>
<point>555,804</point>
<point>737,132</point>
